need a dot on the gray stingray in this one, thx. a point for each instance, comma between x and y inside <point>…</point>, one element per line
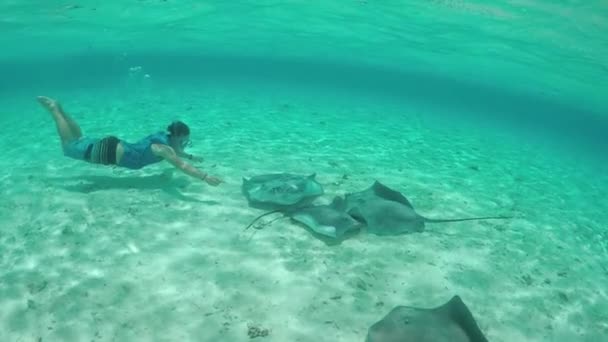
<point>450,322</point>
<point>387,212</point>
<point>328,220</point>
<point>281,190</point>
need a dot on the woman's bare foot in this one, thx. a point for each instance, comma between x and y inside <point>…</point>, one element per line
<point>68,130</point>
<point>49,103</point>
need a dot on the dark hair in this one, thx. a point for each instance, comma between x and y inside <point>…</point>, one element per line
<point>178,128</point>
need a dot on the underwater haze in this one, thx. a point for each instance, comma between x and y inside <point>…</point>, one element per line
<point>467,108</point>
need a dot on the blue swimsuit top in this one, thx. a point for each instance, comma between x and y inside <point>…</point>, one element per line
<point>140,154</point>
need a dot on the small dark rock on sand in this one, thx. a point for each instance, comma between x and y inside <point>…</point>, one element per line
<point>256,331</point>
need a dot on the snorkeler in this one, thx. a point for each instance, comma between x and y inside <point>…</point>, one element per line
<point>113,151</point>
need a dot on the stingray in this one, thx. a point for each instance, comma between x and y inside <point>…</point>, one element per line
<point>329,220</point>
<point>450,322</point>
<point>293,195</point>
<point>387,212</point>
<point>281,190</point>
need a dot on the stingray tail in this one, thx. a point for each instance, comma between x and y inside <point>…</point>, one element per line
<point>260,216</point>
<point>428,220</point>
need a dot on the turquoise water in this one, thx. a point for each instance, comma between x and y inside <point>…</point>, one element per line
<point>469,108</point>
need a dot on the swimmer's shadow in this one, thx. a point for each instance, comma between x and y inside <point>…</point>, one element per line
<point>164,182</point>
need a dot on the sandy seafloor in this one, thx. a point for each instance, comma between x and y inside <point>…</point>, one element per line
<point>90,253</point>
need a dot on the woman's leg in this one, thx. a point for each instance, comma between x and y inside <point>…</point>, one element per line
<point>67,128</point>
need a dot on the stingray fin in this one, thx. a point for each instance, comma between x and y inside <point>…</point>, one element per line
<point>338,203</point>
<point>387,193</point>
<point>458,312</point>
<point>357,216</point>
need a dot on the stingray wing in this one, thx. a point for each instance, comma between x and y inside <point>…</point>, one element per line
<point>280,190</point>
<point>326,220</point>
<point>450,322</point>
<point>389,194</point>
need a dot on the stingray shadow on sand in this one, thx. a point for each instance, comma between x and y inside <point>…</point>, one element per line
<point>92,183</point>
